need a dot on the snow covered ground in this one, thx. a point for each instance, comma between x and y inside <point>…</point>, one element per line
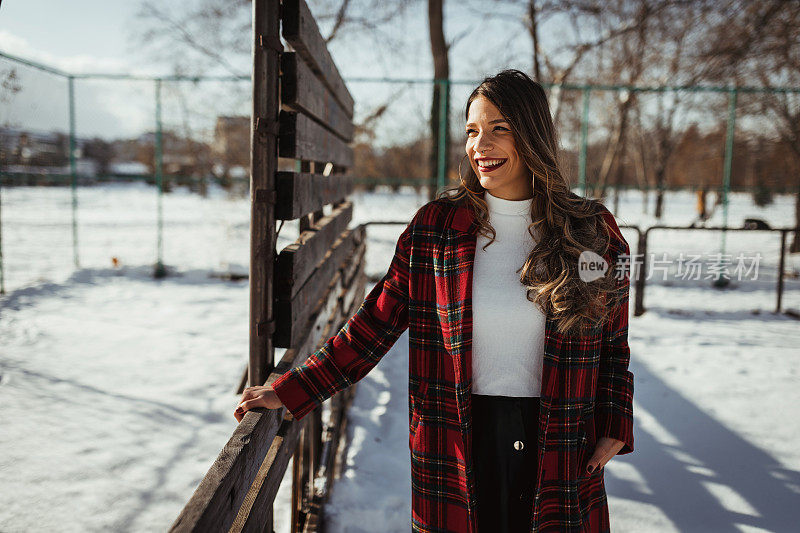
<point>116,390</point>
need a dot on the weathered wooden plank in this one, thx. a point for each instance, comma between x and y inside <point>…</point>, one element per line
<point>267,491</point>
<point>341,448</point>
<point>335,439</point>
<point>302,138</point>
<point>216,500</point>
<point>350,244</point>
<point>298,260</point>
<point>320,323</point>
<point>213,505</point>
<point>301,31</point>
<point>293,314</point>
<point>301,193</point>
<point>220,495</point>
<point>333,443</point>
<point>354,267</point>
<point>325,272</point>
<point>302,91</point>
<point>359,278</point>
<point>268,478</point>
<point>264,165</point>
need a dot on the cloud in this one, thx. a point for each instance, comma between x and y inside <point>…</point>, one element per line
<point>104,108</point>
<point>74,64</point>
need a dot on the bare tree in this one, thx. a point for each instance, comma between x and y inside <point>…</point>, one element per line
<point>530,16</point>
<point>673,31</point>
<point>756,43</point>
<point>197,36</point>
<point>614,41</point>
<point>633,42</point>
<point>605,27</point>
<point>630,56</point>
<point>203,36</point>
<point>9,87</point>
<point>441,71</point>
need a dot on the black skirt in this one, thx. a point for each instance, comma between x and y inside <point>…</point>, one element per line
<point>504,444</point>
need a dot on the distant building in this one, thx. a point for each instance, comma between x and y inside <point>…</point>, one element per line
<point>231,148</point>
<point>33,148</point>
<point>35,153</point>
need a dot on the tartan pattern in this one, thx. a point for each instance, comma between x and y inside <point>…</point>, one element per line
<point>587,389</point>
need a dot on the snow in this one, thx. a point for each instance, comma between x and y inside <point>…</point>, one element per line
<point>117,390</point>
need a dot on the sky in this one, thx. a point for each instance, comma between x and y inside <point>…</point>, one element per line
<point>100,24</point>
<point>83,36</point>
<point>89,36</point>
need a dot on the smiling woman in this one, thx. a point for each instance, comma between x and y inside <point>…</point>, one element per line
<point>532,305</point>
<point>513,151</point>
<point>519,388</point>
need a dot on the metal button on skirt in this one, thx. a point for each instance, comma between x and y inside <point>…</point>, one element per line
<point>504,445</point>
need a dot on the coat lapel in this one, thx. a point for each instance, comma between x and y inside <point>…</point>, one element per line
<point>455,258</point>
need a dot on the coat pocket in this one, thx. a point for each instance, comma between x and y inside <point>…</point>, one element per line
<point>587,443</point>
<point>417,403</point>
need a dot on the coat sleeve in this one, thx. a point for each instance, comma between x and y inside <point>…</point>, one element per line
<point>358,346</point>
<point>614,402</point>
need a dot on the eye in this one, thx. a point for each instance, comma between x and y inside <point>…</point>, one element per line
<point>496,127</point>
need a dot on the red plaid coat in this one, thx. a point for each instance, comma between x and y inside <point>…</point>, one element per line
<point>587,389</point>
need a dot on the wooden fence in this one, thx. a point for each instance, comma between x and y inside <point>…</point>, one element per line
<point>302,111</point>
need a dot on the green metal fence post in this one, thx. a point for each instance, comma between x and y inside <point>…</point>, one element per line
<point>73,170</point>
<point>159,271</point>
<point>726,176</point>
<point>584,140</point>
<point>723,281</point>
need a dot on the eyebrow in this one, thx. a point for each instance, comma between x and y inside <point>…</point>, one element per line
<point>495,121</point>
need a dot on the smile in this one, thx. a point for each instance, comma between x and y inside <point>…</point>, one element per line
<point>491,164</point>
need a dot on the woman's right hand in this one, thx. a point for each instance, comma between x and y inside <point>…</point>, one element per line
<point>259,396</point>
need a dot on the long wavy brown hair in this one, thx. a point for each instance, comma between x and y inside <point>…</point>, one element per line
<point>564,224</point>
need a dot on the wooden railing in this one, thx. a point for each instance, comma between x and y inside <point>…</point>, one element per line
<point>302,113</point>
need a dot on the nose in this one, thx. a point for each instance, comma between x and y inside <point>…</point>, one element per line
<point>481,144</point>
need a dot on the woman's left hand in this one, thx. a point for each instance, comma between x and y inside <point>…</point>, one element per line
<point>604,450</point>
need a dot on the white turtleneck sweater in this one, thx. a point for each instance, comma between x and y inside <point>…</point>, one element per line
<point>507,328</point>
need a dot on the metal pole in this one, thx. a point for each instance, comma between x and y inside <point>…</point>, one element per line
<point>584,141</point>
<point>726,177</point>
<point>780,271</point>
<point>639,270</point>
<point>160,271</point>
<point>73,170</point>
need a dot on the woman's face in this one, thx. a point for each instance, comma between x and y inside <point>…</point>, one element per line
<point>493,154</point>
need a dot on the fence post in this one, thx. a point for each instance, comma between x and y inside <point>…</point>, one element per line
<point>73,170</point>
<point>584,134</point>
<point>264,129</point>
<point>726,176</point>
<point>780,270</point>
<point>640,271</point>
<point>160,271</point>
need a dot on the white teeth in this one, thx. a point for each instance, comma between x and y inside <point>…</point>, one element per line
<point>490,162</point>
